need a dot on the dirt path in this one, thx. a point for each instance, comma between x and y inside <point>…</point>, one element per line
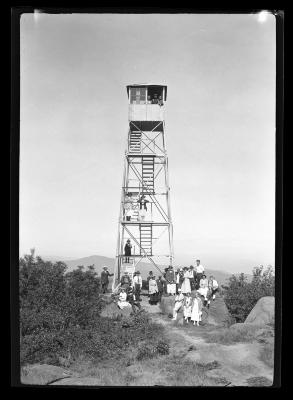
<point>237,362</point>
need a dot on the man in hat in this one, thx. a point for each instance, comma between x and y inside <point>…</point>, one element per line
<point>150,276</point>
<point>105,279</point>
<point>137,285</point>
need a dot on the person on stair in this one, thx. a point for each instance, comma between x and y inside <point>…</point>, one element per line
<point>127,250</point>
<point>179,299</point>
<point>105,279</point>
<point>196,309</point>
<point>125,281</point>
<point>171,281</point>
<point>137,285</point>
<point>142,207</point>
<point>187,307</point>
<point>128,206</point>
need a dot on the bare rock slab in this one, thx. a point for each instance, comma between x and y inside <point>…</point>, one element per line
<point>263,312</point>
<point>43,374</point>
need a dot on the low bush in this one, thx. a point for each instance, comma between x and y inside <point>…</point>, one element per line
<point>152,349</point>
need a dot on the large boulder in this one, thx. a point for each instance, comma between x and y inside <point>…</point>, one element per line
<point>111,310</point>
<point>42,374</point>
<point>263,312</point>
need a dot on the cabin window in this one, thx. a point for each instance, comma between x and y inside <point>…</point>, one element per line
<point>138,95</point>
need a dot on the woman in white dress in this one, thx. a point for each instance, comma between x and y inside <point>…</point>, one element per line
<point>203,287</point>
<point>196,310</point>
<point>187,307</point>
<point>185,288</point>
<point>122,303</point>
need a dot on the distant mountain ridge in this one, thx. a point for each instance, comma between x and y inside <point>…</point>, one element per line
<point>143,267</point>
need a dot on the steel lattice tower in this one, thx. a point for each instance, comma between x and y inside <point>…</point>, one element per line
<point>145,173</point>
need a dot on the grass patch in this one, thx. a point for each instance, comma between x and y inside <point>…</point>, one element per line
<point>231,336</point>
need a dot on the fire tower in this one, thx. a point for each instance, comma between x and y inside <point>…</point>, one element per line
<point>145,217</point>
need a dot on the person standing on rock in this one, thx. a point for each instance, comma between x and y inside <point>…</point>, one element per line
<point>203,287</point>
<point>213,288</point>
<point>171,281</point>
<point>199,269</point>
<point>185,287</point>
<point>105,279</point>
<point>179,299</point>
<point>196,310</point>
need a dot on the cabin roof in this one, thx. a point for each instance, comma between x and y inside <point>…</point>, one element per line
<point>147,85</point>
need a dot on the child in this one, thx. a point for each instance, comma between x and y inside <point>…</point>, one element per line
<point>196,310</point>
<point>122,300</point>
<point>179,299</point>
<point>187,307</point>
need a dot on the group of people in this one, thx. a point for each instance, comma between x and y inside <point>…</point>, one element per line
<point>130,206</point>
<point>155,100</point>
<point>190,286</point>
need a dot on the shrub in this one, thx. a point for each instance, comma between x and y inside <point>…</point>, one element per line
<point>150,350</point>
<point>241,296</point>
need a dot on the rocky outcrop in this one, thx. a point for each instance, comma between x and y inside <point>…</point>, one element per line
<point>111,310</point>
<point>43,374</point>
<point>263,312</point>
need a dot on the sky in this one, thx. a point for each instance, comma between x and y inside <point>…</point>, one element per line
<point>220,131</point>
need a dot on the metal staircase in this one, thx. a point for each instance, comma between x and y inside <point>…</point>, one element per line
<point>134,142</point>
<point>148,168</point>
<point>146,235</point>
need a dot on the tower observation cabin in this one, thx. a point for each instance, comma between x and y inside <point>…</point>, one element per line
<point>145,216</point>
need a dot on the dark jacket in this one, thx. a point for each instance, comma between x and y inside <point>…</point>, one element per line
<point>105,276</point>
<point>170,276</point>
<point>127,249</point>
<point>125,279</point>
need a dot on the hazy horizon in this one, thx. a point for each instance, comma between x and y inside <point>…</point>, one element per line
<point>220,131</point>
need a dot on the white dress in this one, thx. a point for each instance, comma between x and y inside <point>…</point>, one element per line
<point>187,308</point>
<point>185,288</point>
<point>203,290</point>
<point>122,303</point>
<point>196,310</point>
